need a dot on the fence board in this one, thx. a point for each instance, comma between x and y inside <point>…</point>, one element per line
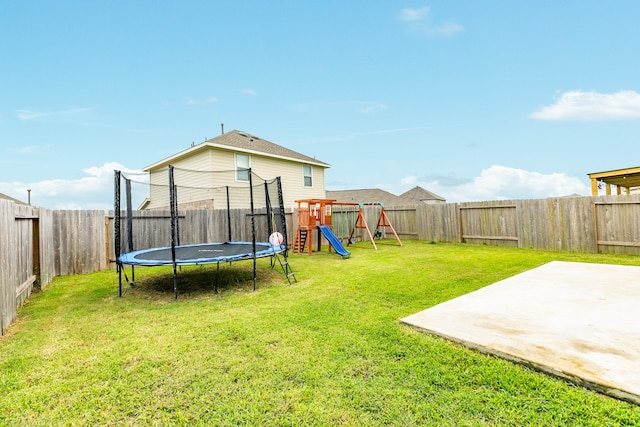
<point>493,223</point>
<point>17,269</point>
<point>47,268</point>
<point>7,312</point>
<point>403,220</point>
<point>79,240</point>
<point>438,222</point>
<point>23,252</point>
<point>617,224</point>
<point>561,224</point>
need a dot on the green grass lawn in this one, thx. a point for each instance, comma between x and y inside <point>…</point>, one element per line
<point>328,350</point>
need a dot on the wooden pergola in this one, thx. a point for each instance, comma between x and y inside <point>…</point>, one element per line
<point>623,179</point>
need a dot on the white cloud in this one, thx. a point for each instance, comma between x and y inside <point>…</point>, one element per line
<point>209,100</point>
<point>371,108</point>
<point>591,106</point>
<point>67,114</point>
<point>446,29</point>
<point>31,149</point>
<point>410,181</point>
<point>500,183</point>
<point>346,137</point>
<point>363,107</point>
<point>93,191</point>
<point>409,14</point>
<point>249,92</point>
<point>419,22</point>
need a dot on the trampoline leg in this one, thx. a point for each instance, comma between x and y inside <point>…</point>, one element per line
<point>254,272</point>
<point>175,282</point>
<point>119,267</point>
<point>216,281</point>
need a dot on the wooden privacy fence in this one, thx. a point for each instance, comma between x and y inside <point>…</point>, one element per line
<point>604,224</point>
<point>80,241</point>
<point>26,255</point>
<point>39,244</point>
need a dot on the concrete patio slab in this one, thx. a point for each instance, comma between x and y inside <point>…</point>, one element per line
<point>577,321</point>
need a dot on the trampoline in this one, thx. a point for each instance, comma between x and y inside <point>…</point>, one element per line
<point>205,253</point>
<point>176,254</point>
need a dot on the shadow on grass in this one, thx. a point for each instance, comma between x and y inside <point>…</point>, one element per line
<point>206,281</point>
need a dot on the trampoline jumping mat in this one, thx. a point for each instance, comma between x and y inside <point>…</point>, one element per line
<point>577,321</point>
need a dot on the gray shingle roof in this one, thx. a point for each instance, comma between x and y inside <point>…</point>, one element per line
<point>5,197</point>
<point>419,194</point>
<point>244,141</point>
<point>412,197</point>
<point>366,196</point>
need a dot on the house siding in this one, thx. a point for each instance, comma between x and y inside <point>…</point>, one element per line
<point>292,179</point>
<point>202,190</point>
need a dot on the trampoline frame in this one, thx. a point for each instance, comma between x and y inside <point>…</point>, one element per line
<point>263,249</point>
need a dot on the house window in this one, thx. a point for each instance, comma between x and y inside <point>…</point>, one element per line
<point>242,167</point>
<point>306,171</point>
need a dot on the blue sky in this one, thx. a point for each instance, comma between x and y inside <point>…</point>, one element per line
<point>470,100</point>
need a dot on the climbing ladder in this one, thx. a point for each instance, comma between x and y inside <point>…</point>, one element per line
<point>301,240</point>
<point>284,264</point>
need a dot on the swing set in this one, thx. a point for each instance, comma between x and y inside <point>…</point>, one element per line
<point>349,223</point>
<point>360,223</point>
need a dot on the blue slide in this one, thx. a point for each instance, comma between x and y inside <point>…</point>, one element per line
<point>334,241</point>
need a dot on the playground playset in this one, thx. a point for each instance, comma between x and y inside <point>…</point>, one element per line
<point>338,223</point>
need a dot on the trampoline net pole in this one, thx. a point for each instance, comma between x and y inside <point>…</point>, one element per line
<point>283,218</point>
<point>228,216</point>
<point>253,229</point>
<point>172,209</point>
<point>269,209</point>
<point>116,227</point>
<point>127,183</point>
<point>175,201</point>
<point>130,248</point>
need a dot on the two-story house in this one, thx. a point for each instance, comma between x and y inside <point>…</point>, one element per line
<point>236,152</point>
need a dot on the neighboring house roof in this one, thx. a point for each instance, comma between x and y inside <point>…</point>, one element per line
<point>366,196</point>
<point>414,196</point>
<point>246,143</point>
<point>419,194</point>
<point>5,197</point>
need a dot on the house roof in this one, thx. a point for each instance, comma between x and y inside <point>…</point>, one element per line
<point>240,141</point>
<point>419,194</point>
<point>365,196</point>
<point>5,197</point>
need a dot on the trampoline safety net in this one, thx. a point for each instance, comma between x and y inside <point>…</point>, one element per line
<point>185,216</point>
